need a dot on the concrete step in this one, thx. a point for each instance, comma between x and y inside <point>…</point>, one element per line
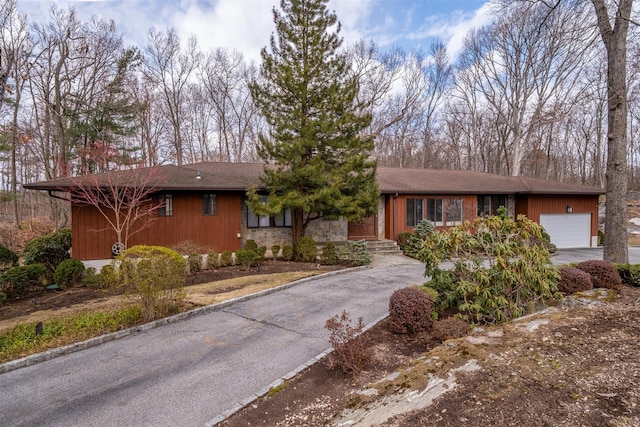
<point>383,247</point>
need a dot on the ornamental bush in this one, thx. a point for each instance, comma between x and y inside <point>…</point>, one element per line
<point>17,281</point>
<point>287,252</point>
<point>603,274</point>
<point>501,268</point>
<point>354,253</point>
<point>226,258</point>
<point>251,245</point>
<point>630,274</point>
<point>329,254</point>
<point>403,239</point>
<point>155,276</point>
<point>417,239</point>
<point>246,258</point>
<point>275,250</point>
<point>49,250</point>
<point>573,280</point>
<point>351,349</point>
<point>194,263</point>
<point>213,260</point>
<point>305,250</point>
<point>8,258</point>
<point>409,311</point>
<point>68,273</point>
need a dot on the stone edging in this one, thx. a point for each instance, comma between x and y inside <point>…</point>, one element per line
<point>93,342</point>
<point>262,392</point>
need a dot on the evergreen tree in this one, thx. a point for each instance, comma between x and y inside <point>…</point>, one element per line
<point>319,165</point>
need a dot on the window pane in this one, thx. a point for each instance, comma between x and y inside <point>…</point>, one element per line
<point>434,211</point>
<point>166,202</point>
<point>454,212</point>
<point>209,204</point>
<point>411,213</point>
<point>287,217</point>
<point>252,219</point>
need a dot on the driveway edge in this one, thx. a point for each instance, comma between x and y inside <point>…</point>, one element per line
<point>94,342</point>
<point>262,392</point>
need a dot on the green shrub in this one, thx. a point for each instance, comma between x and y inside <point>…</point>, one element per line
<point>329,254</point>
<point>251,245</point>
<point>194,263</point>
<point>354,253</point>
<point>261,252</point>
<point>246,258</point>
<point>630,274</point>
<point>17,281</point>
<point>49,250</point>
<point>499,271</point>
<point>275,250</point>
<point>68,273</point>
<point>417,239</point>
<point>573,280</point>
<point>603,274</point>
<point>409,311</point>
<point>155,276</point>
<point>213,260</point>
<point>403,239</point>
<point>305,250</point>
<point>287,252</point>
<point>226,258</point>
<point>8,259</point>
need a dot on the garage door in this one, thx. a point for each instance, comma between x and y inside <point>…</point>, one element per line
<point>568,230</point>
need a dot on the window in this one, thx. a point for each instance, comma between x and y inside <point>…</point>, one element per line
<point>414,211</point>
<point>434,211</point>
<point>281,220</point>
<point>166,205</point>
<point>453,212</point>
<point>209,204</point>
<point>488,205</point>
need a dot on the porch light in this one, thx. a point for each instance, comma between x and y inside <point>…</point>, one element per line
<point>569,209</point>
<point>198,176</point>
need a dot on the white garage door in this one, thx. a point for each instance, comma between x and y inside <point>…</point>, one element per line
<point>568,230</point>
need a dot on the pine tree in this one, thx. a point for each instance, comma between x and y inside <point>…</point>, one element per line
<point>319,164</point>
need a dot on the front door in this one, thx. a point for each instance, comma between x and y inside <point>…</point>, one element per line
<point>365,230</point>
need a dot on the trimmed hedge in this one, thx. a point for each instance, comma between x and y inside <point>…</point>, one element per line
<point>305,250</point>
<point>630,274</point>
<point>603,274</point>
<point>409,311</point>
<point>68,273</point>
<point>17,281</point>
<point>573,280</point>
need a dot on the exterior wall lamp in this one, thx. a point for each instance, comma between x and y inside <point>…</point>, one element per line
<point>569,209</point>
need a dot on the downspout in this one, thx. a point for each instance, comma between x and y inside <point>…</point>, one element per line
<point>395,196</point>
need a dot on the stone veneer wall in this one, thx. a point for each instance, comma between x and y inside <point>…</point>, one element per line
<point>381,217</point>
<point>320,231</point>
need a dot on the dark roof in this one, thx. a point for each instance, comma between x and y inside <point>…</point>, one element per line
<point>222,176</point>
<point>430,181</point>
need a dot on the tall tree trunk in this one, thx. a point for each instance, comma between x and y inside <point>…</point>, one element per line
<point>297,225</point>
<point>615,41</point>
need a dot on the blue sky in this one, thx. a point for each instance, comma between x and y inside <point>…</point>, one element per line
<point>246,25</point>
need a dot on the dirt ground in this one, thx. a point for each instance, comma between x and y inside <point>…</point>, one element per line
<point>574,365</point>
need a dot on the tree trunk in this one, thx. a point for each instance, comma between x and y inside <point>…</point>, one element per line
<point>297,225</point>
<point>615,41</point>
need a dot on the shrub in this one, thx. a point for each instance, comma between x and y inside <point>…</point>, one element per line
<point>17,281</point>
<point>246,258</point>
<point>107,280</point>
<point>329,254</point>
<point>450,328</point>
<point>409,311</point>
<point>68,273</point>
<point>213,260</point>
<point>275,250</point>
<point>49,250</point>
<point>194,263</point>
<point>261,252</point>
<point>355,253</point>
<point>3,298</point>
<point>226,258</point>
<point>251,245</point>
<point>351,349</point>
<point>630,274</point>
<point>499,271</point>
<point>417,239</point>
<point>155,276</point>
<point>8,259</point>
<point>403,239</point>
<point>573,280</point>
<point>287,252</point>
<point>305,250</point>
<point>603,274</point>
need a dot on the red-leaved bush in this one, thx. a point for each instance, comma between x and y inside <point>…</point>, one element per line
<point>409,311</point>
<point>351,350</point>
<point>604,274</point>
<point>573,280</point>
<point>450,328</point>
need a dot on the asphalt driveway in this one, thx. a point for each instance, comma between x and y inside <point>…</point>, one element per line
<point>190,372</point>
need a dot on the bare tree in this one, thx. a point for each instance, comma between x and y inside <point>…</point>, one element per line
<point>170,67</point>
<point>614,28</point>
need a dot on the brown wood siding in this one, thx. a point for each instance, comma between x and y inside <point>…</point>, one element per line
<point>534,205</point>
<point>92,237</point>
<point>397,212</point>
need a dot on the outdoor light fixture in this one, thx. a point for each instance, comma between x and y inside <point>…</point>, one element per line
<point>569,209</point>
<point>198,176</point>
